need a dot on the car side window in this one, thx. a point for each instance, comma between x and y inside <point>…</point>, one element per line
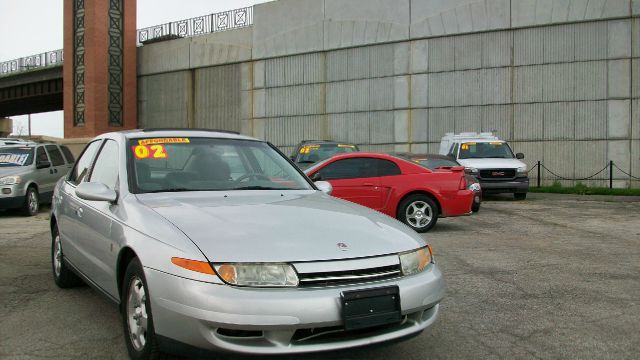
<point>55,155</point>
<point>67,154</point>
<point>454,151</point>
<point>349,169</point>
<point>105,170</point>
<point>41,155</point>
<point>81,169</point>
<point>387,168</point>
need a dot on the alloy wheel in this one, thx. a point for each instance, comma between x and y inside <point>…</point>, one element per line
<point>419,214</point>
<point>137,317</point>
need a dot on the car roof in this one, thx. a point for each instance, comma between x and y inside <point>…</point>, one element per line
<point>363,154</point>
<point>163,133</point>
<point>29,145</point>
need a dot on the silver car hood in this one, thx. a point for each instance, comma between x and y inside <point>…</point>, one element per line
<point>14,170</point>
<point>274,226</point>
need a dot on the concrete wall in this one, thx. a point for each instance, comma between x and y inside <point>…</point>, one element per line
<point>559,79</point>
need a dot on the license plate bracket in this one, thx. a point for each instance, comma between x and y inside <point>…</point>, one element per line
<point>370,307</point>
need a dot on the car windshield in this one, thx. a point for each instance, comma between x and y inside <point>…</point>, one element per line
<point>433,164</point>
<point>206,164</point>
<point>484,150</point>
<point>16,156</point>
<point>312,153</point>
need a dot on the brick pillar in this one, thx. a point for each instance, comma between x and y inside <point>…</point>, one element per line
<point>99,67</point>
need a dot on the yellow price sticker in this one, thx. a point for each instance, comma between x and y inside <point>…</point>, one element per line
<point>153,151</point>
<point>163,141</point>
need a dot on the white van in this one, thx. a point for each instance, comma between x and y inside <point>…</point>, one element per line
<point>491,160</point>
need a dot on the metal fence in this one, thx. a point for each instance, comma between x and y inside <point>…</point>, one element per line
<point>601,175</point>
<point>49,58</point>
<point>225,20</point>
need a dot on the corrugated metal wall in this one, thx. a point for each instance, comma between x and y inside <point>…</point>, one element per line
<point>566,94</point>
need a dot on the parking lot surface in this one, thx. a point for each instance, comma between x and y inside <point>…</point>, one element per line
<point>550,277</point>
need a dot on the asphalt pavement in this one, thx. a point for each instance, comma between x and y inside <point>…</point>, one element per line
<point>550,277</point>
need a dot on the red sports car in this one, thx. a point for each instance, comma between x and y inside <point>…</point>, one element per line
<point>399,188</point>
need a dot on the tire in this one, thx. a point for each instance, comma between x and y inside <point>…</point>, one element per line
<point>136,314</point>
<point>31,202</point>
<point>520,196</point>
<point>419,212</point>
<point>62,275</point>
<point>475,208</point>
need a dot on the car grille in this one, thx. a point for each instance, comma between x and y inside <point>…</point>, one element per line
<point>349,276</point>
<point>498,174</point>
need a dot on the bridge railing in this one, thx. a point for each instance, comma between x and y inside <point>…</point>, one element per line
<point>49,58</point>
<point>200,25</point>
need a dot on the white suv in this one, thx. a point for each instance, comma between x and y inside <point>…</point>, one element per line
<point>491,160</point>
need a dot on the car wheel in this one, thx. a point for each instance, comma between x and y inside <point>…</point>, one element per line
<point>62,275</point>
<point>520,196</point>
<point>31,202</point>
<point>475,208</point>
<point>420,212</point>
<point>136,314</point>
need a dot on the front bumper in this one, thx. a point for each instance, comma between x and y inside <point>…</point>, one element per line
<point>192,312</point>
<point>14,198</point>
<point>517,185</point>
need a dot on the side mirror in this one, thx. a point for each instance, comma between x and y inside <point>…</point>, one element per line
<point>42,164</point>
<point>315,177</point>
<point>94,191</point>
<point>519,156</point>
<point>325,187</point>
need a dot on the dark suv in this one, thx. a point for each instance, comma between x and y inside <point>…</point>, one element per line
<point>309,152</point>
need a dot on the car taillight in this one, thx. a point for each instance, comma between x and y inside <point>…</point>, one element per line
<point>463,184</point>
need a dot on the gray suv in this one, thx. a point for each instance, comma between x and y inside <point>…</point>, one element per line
<point>28,173</point>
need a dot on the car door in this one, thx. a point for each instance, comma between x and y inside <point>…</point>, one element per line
<point>97,218</point>
<point>45,177</point>
<point>355,180</point>
<point>57,161</point>
<point>71,225</point>
<point>389,174</point>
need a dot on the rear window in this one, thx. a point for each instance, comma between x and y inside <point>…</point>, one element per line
<point>313,153</point>
<point>436,163</point>
<point>67,154</point>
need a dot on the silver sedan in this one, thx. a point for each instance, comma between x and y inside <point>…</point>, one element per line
<point>213,241</point>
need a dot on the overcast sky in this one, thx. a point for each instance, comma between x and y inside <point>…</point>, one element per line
<point>35,26</point>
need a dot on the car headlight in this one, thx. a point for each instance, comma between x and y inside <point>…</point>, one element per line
<point>10,180</point>
<point>471,170</point>
<point>416,261</point>
<point>522,171</point>
<point>258,275</point>
<point>475,187</point>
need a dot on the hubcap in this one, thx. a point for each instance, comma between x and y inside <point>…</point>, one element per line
<point>57,255</point>
<point>137,313</point>
<point>419,214</point>
<point>33,202</point>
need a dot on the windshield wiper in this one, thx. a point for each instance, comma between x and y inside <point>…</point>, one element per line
<point>258,188</point>
<point>306,162</point>
<point>170,190</point>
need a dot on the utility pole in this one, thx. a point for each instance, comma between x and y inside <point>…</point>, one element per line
<point>29,121</point>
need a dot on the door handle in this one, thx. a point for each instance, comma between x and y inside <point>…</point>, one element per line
<point>367,184</point>
<point>79,212</point>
